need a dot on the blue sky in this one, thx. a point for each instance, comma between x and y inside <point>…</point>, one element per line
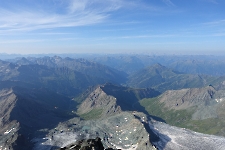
<point>112,26</point>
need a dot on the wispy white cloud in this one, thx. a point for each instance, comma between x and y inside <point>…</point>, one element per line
<point>77,13</point>
<point>20,41</point>
<point>168,2</point>
<point>211,1</point>
<point>95,6</point>
<point>135,37</point>
<point>221,34</point>
<point>77,5</point>
<point>60,13</point>
<point>149,36</point>
<point>215,23</point>
<point>32,21</point>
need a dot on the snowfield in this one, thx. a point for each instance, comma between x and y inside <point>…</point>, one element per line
<point>174,138</point>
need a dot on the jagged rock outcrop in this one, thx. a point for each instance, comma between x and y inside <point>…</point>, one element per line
<point>87,144</point>
<point>98,99</point>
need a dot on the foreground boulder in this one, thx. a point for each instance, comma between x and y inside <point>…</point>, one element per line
<point>89,144</point>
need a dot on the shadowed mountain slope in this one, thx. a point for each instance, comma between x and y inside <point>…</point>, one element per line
<point>25,111</point>
<point>128,97</point>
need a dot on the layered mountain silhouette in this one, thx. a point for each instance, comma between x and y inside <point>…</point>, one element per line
<point>189,64</point>
<point>162,79</point>
<point>83,66</point>
<point>66,76</point>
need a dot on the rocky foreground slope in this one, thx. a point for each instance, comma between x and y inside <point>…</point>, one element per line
<point>87,144</point>
<point>119,131</point>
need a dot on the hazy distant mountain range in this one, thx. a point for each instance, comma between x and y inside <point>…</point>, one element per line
<point>162,78</point>
<point>50,102</point>
<point>69,76</point>
<point>191,64</point>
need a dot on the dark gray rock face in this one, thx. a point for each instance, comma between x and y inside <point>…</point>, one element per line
<point>89,144</point>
